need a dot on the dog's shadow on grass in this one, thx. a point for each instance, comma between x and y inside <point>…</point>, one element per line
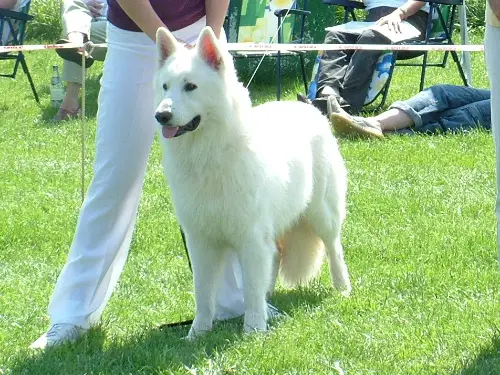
<point>156,348</point>
<point>151,351</point>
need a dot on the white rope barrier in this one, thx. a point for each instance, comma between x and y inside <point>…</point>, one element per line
<point>83,118</point>
<point>266,47</point>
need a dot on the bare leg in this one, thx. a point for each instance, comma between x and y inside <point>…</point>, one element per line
<point>393,119</point>
<point>70,101</point>
<point>371,127</point>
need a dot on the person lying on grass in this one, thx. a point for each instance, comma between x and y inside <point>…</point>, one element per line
<point>438,109</point>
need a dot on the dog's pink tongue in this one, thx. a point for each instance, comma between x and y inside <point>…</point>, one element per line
<point>169,132</point>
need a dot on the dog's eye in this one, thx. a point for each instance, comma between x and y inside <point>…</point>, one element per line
<point>165,87</point>
<point>190,87</point>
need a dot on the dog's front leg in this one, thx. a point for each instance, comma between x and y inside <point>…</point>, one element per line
<point>256,258</point>
<point>207,263</point>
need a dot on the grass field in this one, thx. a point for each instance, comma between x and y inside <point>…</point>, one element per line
<point>419,241</point>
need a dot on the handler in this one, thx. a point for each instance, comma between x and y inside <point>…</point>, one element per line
<point>126,127</point>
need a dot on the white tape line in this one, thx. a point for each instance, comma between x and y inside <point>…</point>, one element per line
<point>267,47</point>
<point>363,47</point>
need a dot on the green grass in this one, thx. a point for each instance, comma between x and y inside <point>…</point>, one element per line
<point>419,241</point>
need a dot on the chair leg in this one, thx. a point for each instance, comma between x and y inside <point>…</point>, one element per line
<point>389,79</point>
<point>27,72</point>
<point>460,68</point>
<point>278,70</point>
<point>304,75</point>
<point>424,67</point>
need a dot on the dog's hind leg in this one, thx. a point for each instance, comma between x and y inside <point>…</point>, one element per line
<point>256,257</point>
<point>327,225</point>
<point>275,270</point>
<point>207,263</point>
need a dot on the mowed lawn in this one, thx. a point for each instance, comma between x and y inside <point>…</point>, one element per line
<point>419,241</point>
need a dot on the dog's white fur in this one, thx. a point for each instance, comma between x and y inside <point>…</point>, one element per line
<point>247,177</point>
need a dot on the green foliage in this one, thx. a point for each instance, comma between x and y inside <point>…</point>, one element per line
<point>475,13</point>
<point>47,23</point>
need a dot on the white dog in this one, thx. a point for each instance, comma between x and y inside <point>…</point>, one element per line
<point>243,178</point>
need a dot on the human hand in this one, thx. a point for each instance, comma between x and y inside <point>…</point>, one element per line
<point>393,21</point>
<point>95,8</point>
<point>495,7</point>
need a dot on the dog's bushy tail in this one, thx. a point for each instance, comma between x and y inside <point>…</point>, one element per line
<point>301,254</point>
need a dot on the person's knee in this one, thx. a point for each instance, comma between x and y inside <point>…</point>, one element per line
<point>372,37</point>
<point>332,37</point>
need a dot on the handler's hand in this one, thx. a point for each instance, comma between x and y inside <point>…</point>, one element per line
<point>95,8</point>
<point>393,21</point>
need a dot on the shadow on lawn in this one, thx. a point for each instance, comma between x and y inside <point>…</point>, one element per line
<point>152,350</point>
<point>155,349</point>
<point>487,361</point>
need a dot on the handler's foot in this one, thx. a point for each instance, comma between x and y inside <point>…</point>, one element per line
<point>353,125</point>
<point>58,334</point>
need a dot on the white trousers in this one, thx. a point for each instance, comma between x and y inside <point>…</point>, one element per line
<point>492,55</point>
<point>126,128</point>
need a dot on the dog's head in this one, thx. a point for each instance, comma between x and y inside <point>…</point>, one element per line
<point>191,83</point>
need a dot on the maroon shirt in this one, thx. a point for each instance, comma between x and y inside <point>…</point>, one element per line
<point>176,14</point>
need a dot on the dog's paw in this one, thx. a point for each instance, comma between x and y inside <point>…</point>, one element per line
<point>254,322</point>
<point>346,292</point>
<point>249,330</point>
<point>193,334</point>
<point>198,329</point>
<point>343,284</point>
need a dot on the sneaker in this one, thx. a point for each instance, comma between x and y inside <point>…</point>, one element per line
<point>333,106</point>
<point>66,114</point>
<point>353,125</point>
<point>58,334</point>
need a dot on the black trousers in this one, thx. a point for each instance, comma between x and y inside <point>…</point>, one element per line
<point>349,73</point>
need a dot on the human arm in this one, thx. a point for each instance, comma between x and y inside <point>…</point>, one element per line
<point>143,14</point>
<point>394,19</point>
<point>8,4</point>
<point>95,8</point>
<point>495,7</point>
<point>216,13</point>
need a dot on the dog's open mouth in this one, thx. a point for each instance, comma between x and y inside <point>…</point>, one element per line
<point>175,131</point>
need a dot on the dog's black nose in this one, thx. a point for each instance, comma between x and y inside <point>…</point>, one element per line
<point>163,117</point>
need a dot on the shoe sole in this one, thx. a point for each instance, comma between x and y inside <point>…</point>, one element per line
<point>343,125</point>
<point>72,54</point>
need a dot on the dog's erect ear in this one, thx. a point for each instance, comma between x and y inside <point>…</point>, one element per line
<point>165,43</point>
<point>208,49</point>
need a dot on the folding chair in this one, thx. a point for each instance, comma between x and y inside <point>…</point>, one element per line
<point>12,32</point>
<point>439,31</point>
<point>260,21</point>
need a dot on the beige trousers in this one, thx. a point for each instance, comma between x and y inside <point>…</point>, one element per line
<point>76,16</point>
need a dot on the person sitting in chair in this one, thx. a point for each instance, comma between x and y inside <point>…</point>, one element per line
<point>438,109</point>
<point>345,76</point>
<point>83,21</point>
<point>15,5</point>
